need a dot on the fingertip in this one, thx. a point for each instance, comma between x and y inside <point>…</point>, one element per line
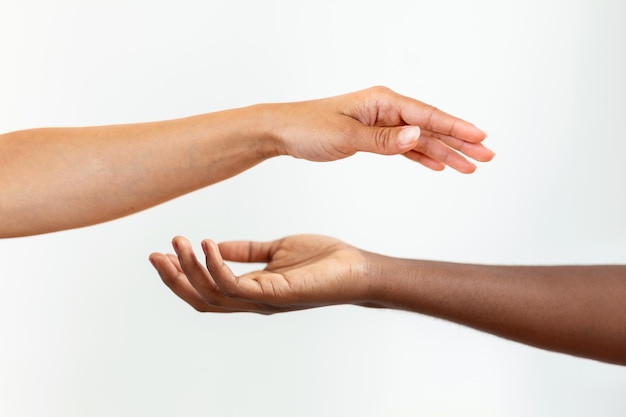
<point>176,242</point>
<point>153,258</point>
<point>469,133</point>
<point>482,154</point>
<point>158,260</point>
<point>482,133</point>
<point>468,169</point>
<point>163,266</point>
<point>207,244</point>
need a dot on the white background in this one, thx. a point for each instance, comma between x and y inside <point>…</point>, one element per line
<point>88,329</point>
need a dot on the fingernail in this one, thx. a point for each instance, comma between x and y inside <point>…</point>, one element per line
<point>205,247</point>
<point>408,135</point>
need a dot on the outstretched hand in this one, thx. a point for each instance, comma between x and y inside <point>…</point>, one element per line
<point>302,272</point>
<point>575,309</point>
<point>381,121</point>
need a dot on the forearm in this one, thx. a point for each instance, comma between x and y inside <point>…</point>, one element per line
<point>53,179</point>
<point>578,310</point>
<point>60,178</point>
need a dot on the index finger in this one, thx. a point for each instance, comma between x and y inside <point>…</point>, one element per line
<point>424,115</point>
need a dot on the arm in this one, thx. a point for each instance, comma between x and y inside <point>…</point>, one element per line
<point>60,178</point>
<point>577,310</point>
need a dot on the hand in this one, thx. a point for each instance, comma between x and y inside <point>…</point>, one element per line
<point>381,121</point>
<point>302,272</point>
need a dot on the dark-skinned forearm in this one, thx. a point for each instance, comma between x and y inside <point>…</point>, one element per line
<point>579,310</point>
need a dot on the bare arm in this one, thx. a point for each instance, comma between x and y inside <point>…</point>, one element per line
<point>579,310</point>
<point>59,178</point>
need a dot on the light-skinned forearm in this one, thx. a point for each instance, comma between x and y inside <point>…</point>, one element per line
<point>579,310</point>
<point>60,178</point>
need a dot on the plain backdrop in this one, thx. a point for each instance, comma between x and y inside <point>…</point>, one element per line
<point>88,329</point>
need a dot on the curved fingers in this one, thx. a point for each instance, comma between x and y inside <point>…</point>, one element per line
<point>195,272</point>
<point>246,287</point>
<point>203,283</point>
<point>173,277</point>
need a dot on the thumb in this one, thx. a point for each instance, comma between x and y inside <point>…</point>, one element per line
<point>391,140</point>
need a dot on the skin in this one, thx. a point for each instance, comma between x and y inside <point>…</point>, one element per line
<point>61,178</point>
<point>578,310</point>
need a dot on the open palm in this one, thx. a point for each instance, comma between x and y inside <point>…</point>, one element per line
<point>302,272</point>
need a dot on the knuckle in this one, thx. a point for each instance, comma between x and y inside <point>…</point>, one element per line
<point>380,89</point>
<point>230,292</point>
<point>212,298</point>
<point>211,302</point>
<point>382,137</point>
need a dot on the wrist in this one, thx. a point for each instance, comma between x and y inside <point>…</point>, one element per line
<point>379,275</point>
<point>397,283</point>
<point>262,123</point>
<point>242,131</point>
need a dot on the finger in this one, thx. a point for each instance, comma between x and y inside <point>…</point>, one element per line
<point>389,105</point>
<point>172,276</point>
<point>174,260</point>
<point>387,140</point>
<point>197,275</point>
<point>400,140</point>
<point>425,160</point>
<point>476,151</point>
<point>224,277</point>
<point>414,112</point>
<point>439,151</point>
<point>255,287</point>
<point>202,281</point>
<point>245,251</point>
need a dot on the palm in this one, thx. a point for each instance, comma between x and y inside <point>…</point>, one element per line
<point>306,270</point>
